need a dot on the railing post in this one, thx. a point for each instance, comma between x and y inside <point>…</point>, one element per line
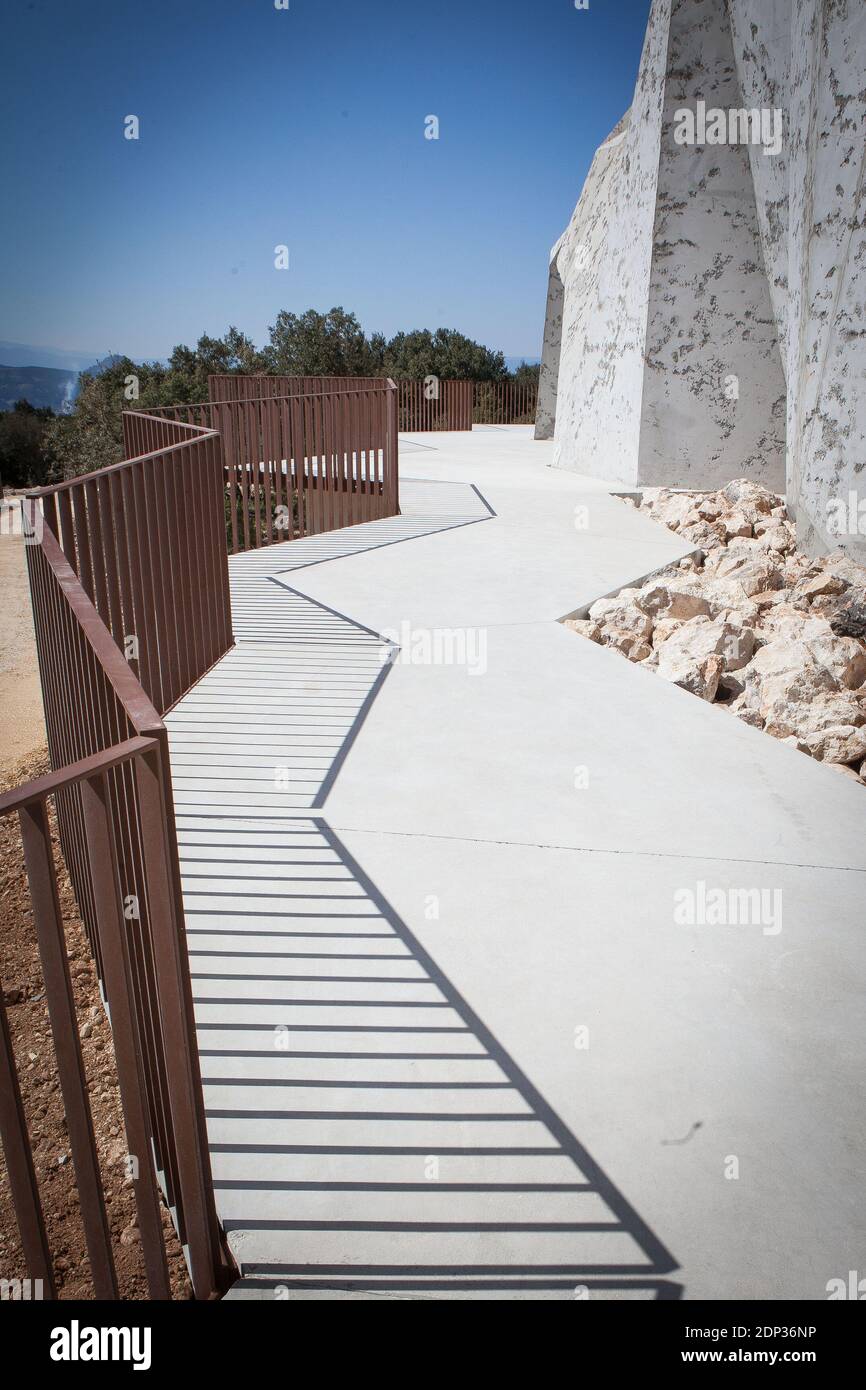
<point>128,1049</point>
<point>64,1027</point>
<point>184,1082</point>
<point>392,451</point>
<point>19,1166</point>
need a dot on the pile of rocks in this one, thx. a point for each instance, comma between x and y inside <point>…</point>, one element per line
<point>751,623</point>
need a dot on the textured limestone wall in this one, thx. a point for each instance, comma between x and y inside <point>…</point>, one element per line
<point>760,31</point>
<point>548,376</point>
<point>708,302</point>
<point>827,270</point>
<point>602,322</point>
<point>604,262</point>
<point>714,394</point>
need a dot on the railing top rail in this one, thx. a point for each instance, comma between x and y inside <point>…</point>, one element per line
<point>384,383</point>
<point>197,432</point>
<point>41,787</point>
<point>289,376</point>
<point>141,713</point>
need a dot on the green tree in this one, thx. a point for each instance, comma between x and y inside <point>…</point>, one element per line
<point>188,368</point>
<point>23,457</point>
<point>445,353</point>
<point>331,344</point>
<point>526,374</point>
<point>308,344</point>
<point>92,436</point>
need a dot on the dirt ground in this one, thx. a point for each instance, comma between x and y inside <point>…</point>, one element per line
<point>23,755</point>
<point>22,729</point>
<point>33,1046</point>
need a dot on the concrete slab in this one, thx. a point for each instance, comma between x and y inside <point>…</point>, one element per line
<point>453,940</point>
<point>703,1044</point>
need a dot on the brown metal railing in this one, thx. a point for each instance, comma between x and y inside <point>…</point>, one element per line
<point>300,463</point>
<point>457,405</point>
<point>504,403</point>
<point>146,540</point>
<point>112,791</point>
<point>129,583</point>
<point>235,386</point>
<point>435,405</point>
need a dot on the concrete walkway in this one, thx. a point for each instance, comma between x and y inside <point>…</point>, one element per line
<point>455,1043</point>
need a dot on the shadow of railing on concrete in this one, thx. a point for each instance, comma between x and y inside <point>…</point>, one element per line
<point>367,1130</point>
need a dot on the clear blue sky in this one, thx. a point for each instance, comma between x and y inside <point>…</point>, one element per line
<point>303,127</point>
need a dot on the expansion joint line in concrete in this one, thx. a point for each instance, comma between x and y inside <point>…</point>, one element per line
<point>558,847</point>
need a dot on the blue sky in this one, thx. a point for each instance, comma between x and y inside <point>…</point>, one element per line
<point>302,127</point>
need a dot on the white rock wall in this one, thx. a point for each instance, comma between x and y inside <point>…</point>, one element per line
<point>604,262</point>
<point>684,266</point>
<point>760,31</point>
<point>548,375</point>
<point>714,394</point>
<point>827,272</point>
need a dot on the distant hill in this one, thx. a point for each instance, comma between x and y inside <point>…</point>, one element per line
<point>40,386</point>
<point>45,386</point>
<point>25,354</point>
<point>103,364</point>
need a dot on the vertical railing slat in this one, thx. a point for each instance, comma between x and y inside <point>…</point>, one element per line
<point>19,1166</point>
<point>169,945</point>
<point>50,937</point>
<point>127,1041</point>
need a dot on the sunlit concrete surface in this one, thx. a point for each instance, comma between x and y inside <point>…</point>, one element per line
<point>455,1043</point>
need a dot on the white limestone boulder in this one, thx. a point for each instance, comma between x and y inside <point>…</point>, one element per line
<point>833,727</point>
<point>676,596</point>
<point>584,627</point>
<point>742,492</point>
<point>693,656</point>
<point>754,572</point>
<point>674,509</point>
<point>631,644</point>
<point>623,613</point>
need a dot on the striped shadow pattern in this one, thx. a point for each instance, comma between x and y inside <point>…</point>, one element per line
<point>267,730</point>
<point>369,1136</point>
<point>269,727</point>
<point>367,1132</point>
<point>427,507</point>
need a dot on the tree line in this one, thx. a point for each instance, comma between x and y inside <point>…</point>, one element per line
<point>39,447</point>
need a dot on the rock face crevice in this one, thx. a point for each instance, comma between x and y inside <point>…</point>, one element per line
<point>707,306</point>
